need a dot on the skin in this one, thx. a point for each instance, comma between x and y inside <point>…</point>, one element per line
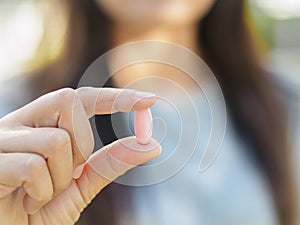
<point>175,21</point>
<point>35,186</point>
<point>147,14</point>
<point>169,20</point>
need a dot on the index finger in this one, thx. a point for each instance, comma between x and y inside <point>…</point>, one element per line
<point>110,100</point>
<point>47,110</point>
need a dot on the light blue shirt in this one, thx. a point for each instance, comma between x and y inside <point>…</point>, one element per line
<point>231,192</point>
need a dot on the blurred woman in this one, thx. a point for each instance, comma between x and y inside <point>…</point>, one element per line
<point>216,30</point>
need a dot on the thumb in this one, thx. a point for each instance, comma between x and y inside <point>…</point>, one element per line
<point>98,171</point>
<point>110,162</point>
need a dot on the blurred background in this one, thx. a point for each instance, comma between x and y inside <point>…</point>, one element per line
<point>276,24</point>
<point>21,29</point>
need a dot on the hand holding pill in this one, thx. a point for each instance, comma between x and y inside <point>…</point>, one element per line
<point>50,164</point>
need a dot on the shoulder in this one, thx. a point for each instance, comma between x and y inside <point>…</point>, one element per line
<point>289,85</point>
<point>287,90</point>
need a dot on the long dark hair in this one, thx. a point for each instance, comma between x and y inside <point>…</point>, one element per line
<point>252,97</point>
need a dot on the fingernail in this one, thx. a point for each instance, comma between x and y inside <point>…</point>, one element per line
<point>141,94</point>
<point>78,171</point>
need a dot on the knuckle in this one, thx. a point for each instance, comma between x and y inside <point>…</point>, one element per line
<point>59,139</point>
<point>34,166</point>
<point>65,95</point>
<point>82,90</point>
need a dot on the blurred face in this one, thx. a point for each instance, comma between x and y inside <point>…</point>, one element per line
<point>156,12</point>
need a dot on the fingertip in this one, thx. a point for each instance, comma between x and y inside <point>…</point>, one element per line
<point>135,153</point>
<point>144,103</point>
<point>121,155</point>
<point>155,146</point>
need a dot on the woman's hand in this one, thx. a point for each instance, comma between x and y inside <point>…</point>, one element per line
<point>47,175</point>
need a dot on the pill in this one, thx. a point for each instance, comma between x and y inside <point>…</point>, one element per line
<point>143,126</point>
